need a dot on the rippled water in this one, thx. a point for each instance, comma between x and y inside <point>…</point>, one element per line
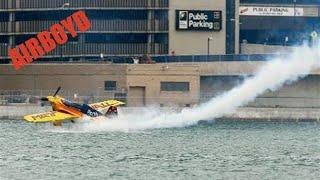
<point>222,150</point>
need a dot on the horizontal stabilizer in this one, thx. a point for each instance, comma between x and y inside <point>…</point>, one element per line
<point>106,104</point>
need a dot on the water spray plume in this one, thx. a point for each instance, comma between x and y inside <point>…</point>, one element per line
<point>271,76</point>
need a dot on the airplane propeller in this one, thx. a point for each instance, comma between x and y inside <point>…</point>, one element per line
<point>57,91</point>
<point>46,99</point>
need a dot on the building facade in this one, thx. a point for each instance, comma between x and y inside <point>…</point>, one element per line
<point>123,28</point>
<point>278,23</point>
<point>158,85</point>
<point>140,27</point>
<point>118,27</point>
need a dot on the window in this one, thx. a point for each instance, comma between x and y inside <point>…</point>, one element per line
<point>110,85</point>
<point>116,38</point>
<point>175,86</point>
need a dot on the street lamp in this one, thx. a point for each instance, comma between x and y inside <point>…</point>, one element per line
<point>65,5</point>
<point>209,39</point>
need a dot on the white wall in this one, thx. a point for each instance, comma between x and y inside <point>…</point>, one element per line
<point>195,42</point>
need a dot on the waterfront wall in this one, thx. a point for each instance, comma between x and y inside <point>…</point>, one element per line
<point>244,113</point>
<point>140,84</point>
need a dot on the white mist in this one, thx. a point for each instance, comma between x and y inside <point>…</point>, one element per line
<point>270,76</point>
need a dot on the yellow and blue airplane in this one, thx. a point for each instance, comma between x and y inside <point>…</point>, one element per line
<point>63,110</point>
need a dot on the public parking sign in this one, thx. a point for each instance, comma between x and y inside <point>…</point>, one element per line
<point>198,20</point>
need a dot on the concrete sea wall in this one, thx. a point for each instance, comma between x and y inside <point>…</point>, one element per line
<point>244,113</point>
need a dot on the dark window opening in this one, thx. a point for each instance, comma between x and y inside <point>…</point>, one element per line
<point>175,86</point>
<point>161,38</point>
<point>42,15</point>
<point>118,14</point>
<point>4,16</point>
<point>110,85</point>
<point>116,38</point>
<point>4,39</point>
<point>22,38</point>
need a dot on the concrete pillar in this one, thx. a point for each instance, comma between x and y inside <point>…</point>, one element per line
<point>149,29</point>
<point>230,26</point>
<point>11,28</point>
<point>237,28</point>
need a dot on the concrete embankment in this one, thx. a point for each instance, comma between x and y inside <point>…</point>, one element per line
<point>244,113</point>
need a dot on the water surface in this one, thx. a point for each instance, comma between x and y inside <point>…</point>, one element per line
<point>221,150</point>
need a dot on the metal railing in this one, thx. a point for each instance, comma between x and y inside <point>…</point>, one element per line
<point>4,27</point>
<point>33,96</point>
<point>214,58</point>
<point>127,52</point>
<point>96,26</point>
<point>4,4</point>
<point>3,49</point>
<point>96,48</point>
<point>88,3</point>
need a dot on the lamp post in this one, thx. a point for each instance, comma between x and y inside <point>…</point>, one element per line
<point>65,5</point>
<point>208,50</point>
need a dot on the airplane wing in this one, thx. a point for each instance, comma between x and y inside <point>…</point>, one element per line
<point>105,104</point>
<point>51,116</point>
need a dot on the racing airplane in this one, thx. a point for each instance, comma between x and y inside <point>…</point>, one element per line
<point>63,110</point>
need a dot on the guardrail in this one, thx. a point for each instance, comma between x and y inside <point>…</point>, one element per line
<point>129,58</point>
<point>3,49</point>
<point>22,27</point>
<point>83,3</point>
<point>33,96</point>
<point>214,58</point>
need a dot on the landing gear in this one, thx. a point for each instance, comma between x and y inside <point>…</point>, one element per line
<point>57,123</point>
<point>112,111</point>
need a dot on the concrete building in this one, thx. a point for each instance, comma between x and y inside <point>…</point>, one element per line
<point>135,28</point>
<point>124,28</point>
<point>138,85</point>
<point>277,24</point>
<point>151,84</point>
<point>158,27</point>
<point>197,42</point>
<point>118,27</point>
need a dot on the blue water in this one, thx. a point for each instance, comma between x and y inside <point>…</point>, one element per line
<point>221,150</point>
